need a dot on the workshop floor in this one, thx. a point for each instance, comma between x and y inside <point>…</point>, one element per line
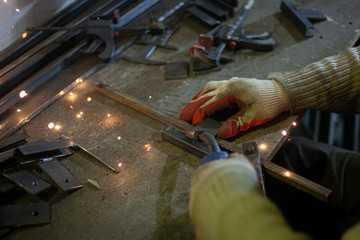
<point>148,198</point>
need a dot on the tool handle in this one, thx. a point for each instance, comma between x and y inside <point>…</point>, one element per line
<point>205,40</point>
<point>240,19</point>
<point>195,48</point>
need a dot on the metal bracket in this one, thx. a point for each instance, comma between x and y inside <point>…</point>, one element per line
<point>302,18</point>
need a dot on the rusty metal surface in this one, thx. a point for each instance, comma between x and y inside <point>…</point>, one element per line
<point>148,199</point>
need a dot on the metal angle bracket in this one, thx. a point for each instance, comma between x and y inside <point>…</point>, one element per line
<point>302,18</point>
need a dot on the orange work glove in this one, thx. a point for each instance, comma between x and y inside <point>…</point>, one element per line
<point>259,101</point>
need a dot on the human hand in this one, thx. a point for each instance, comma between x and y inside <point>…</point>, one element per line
<point>259,101</point>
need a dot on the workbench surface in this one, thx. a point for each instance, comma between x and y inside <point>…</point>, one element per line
<point>148,198</point>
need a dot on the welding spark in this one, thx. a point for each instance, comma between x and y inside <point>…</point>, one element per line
<point>148,147</point>
<point>5,1</point>
<point>16,9</point>
<point>284,133</point>
<point>61,93</point>
<point>88,99</point>
<point>287,174</point>
<point>79,80</point>
<point>18,110</point>
<point>71,107</point>
<point>78,115</point>
<point>263,146</point>
<point>149,96</point>
<point>294,124</point>
<point>119,138</point>
<point>57,127</point>
<point>71,93</point>
<point>51,125</point>
<point>108,115</point>
<point>22,94</point>
<point>120,164</point>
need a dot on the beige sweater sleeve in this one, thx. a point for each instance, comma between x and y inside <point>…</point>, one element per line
<point>332,84</point>
<point>226,203</point>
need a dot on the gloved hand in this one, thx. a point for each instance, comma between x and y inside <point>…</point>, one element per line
<point>259,101</point>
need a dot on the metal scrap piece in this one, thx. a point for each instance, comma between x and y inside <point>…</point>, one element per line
<point>24,215</point>
<point>45,147</point>
<point>60,174</point>
<point>177,70</point>
<point>28,181</point>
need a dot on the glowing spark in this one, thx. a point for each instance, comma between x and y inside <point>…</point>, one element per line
<point>108,115</point>
<point>5,1</point>
<point>120,164</point>
<point>51,125</point>
<point>294,124</point>
<point>71,107</point>
<point>147,146</point>
<point>79,80</point>
<point>263,146</point>
<point>284,133</point>
<point>78,116</point>
<point>61,93</point>
<point>57,127</point>
<point>119,137</point>
<point>71,93</point>
<point>22,94</point>
<point>16,9</point>
<point>149,96</point>
<point>88,99</point>
<point>19,110</point>
<point>81,113</point>
<point>287,174</point>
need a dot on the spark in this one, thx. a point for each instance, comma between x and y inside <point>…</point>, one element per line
<point>149,96</point>
<point>71,93</point>
<point>81,113</point>
<point>119,138</point>
<point>78,115</point>
<point>71,107</point>
<point>108,115</point>
<point>294,124</point>
<point>287,174</point>
<point>79,80</point>
<point>51,125</point>
<point>22,94</point>
<point>18,110</point>
<point>57,127</point>
<point>5,1</point>
<point>148,147</point>
<point>284,133</point>
<point>263,146</point>
<point>61,93</point>
<point>120,164</point>
<point>16,9</point>
<point>88,99</point>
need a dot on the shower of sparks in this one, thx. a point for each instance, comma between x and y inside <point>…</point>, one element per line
<point>22,94</point>
<point>284,133</point>
<point>88,99</point>
<point>294,124</point>
<point>51,125</point>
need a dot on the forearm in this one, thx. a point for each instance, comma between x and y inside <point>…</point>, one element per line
<point>332,84</point>
<point>226,203</point>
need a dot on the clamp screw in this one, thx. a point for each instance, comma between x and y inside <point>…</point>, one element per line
<point>250,149</point>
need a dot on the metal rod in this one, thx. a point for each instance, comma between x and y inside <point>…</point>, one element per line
<point>92,155</point>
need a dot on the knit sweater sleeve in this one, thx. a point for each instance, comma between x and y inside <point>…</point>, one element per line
<point>332,84</point>
<point>226,203</point>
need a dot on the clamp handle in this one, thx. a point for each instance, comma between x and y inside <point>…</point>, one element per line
<point>195,48</point>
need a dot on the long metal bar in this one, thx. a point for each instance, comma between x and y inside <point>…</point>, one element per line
<point>92,155</point>
<point>22,45</point>
<point>277,171</point>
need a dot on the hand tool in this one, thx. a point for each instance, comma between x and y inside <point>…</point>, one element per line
<point>91,154</point>
<point>302,17</point>
<point>180,127</point>
<point>158,40</point>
